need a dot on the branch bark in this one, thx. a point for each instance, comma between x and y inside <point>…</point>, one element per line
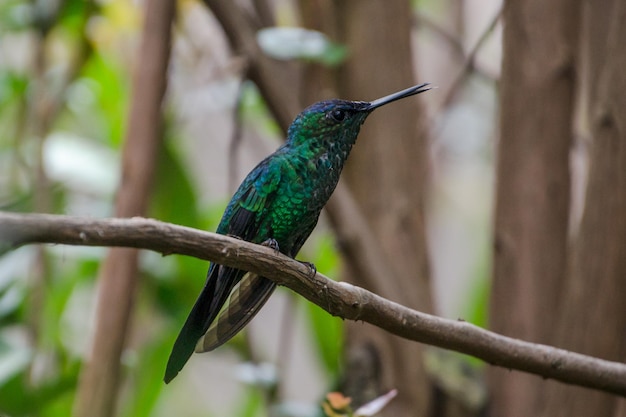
<point>337,298</point>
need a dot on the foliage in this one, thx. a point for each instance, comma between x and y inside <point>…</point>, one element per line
<point>46,310</point>
<point>65,78</point>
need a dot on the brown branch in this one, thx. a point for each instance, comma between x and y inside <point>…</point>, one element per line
<point>270,76</point>
<point>337,298</point>
<point>470,61</point>
<point>456,46</point>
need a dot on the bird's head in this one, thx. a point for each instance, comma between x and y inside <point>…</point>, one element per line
<point>337,122</point>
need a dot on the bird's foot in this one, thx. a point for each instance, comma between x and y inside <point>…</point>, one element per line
<point>271,243</point>
<point>311,266</point>
<point>234,236</point>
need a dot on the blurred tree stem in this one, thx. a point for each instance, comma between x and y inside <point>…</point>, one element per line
<point>40,107</point>
<point>44,107</point>
<point>387,175</point>
<point>100,379</point>
<point>592,318</point>
<point>533,183</point>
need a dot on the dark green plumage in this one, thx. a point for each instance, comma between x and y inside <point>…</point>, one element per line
<point>278,202</point>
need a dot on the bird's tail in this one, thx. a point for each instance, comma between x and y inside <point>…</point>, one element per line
<point>246,299</point>
<point>228,301</point>
<point>219,283</point>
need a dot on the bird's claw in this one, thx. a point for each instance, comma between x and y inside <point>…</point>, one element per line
<point>271,243</point>
<point>311,266</point>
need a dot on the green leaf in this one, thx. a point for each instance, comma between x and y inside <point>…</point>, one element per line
<point>18,397</point>
<point>147,378</point>
<point>174,199</point>
<point>74,14</point>
<point>12,362</point>
<point>478,307</point>
<point>328,334</point>
<point>253,403</point>
<point>110,86</point>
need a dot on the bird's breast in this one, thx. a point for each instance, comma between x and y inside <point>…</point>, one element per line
<point>304,190</point>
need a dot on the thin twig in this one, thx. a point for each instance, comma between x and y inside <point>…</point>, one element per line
<point>470,61</point>
<point>466,69</point>
<point>337,298</point>
<point>453,41</point>
<point>270,77</point>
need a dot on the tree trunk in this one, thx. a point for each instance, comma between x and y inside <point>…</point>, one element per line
<point>99,381</point>
<point>386,174</point>
<point>593,317</point>
<point>533,183</point>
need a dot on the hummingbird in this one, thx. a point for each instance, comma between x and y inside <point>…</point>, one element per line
<point>277,205</point>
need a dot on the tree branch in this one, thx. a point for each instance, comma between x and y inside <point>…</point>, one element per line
<point>337,298</point>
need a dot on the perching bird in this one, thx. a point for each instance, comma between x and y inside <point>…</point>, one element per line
<point>277,205</point>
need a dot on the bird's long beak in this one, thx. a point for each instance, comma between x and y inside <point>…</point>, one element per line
<point>399,95</point>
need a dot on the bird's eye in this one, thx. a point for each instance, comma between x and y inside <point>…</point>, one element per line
<point>338,115</point>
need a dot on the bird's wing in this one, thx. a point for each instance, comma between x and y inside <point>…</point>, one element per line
<point>249,292</point>
<point>246,299</point>
<point>242,218</point>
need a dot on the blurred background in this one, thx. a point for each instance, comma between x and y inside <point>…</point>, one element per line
<point>497,198</point>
